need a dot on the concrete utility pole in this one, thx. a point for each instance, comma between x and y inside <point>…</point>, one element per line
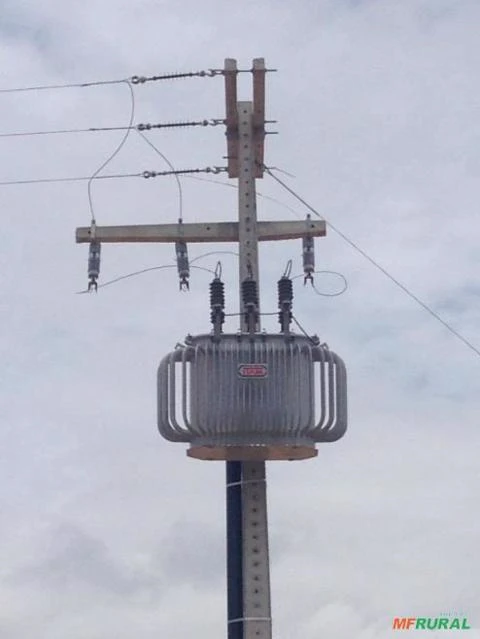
<point>251,536</point>
<point>248,579</point>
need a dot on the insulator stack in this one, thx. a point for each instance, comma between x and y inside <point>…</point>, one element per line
<point>250,292</point>
<point>285,291</point>
<point>183,266</point>
<point>93,264</point>
<point>217,304</point>
<point>217,294</point>
<point>285,298</point>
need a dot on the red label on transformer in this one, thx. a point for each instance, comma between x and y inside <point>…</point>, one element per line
<point>252,370</point>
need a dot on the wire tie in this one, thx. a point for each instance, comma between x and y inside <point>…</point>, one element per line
<point>240,619</point>
<point>246,481</point>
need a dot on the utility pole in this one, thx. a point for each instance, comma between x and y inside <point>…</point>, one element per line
<point>248,578</point>
<point>251,536</point>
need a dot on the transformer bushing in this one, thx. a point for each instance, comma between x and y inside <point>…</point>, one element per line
<point>252,397</point>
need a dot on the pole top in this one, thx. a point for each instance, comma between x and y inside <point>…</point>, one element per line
<point>231,119</point>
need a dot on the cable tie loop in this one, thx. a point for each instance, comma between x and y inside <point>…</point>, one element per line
<point>288,269</point>
<point>242,619</point>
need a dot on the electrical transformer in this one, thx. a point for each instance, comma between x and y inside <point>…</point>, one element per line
<point>252,396</point>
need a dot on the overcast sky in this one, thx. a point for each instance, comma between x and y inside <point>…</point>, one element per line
<point>109,532</point>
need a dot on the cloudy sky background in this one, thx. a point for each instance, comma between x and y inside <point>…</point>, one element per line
<point>106,529</point>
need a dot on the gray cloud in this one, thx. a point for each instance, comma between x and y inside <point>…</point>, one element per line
<point>74,559</point>
<point>194,553</point>
<point>377,105</point>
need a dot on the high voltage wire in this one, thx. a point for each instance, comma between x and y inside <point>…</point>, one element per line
<point>19,134</point>
<point>135,79</point>
<point>144,174</point>
<point>130,175</point>
<point>141,272</point>
<point>69,179</point>
<point>167,161</point>
<point>258,193</point>
<point>72,85</point>
<point>148,174</point>
<point>139,127</point>
<point>116,150</point>
<point>377,265</point>
<point>215,170</point>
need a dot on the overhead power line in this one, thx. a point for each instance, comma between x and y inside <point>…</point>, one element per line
<point>69,179</point>
<point>72,85</point>
<point>134,79</point>
<point>141,272</point>
<point>15,134</point>
<point>147,126</point>
<point>209,73</point>
<point>172,168</point>
<point>378,266</point>
<point>115,152</point>
<point>144,174</point>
